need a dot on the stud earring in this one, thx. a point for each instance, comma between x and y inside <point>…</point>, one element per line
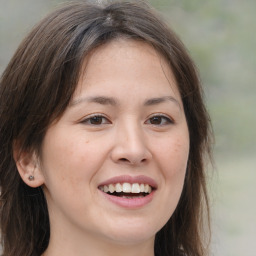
<point>31,177</point>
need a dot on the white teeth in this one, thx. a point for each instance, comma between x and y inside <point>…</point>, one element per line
<point>105,188</point>
<point>111,188</point>
<point>119,187</point>
<point>147,189</point>
<point>127,188</point>
<point>135,188</point>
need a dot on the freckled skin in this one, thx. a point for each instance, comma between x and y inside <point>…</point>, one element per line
<point>77,156</point>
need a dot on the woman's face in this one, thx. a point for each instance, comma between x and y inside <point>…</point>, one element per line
<point>124,132</point>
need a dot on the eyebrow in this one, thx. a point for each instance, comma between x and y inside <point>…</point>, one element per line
<point>98,99</point>
<point>113,102</point>
<point>155,101</point>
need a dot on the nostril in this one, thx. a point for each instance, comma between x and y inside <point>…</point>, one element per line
<point>123,160</point>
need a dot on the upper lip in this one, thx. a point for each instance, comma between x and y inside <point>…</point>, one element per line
<point>141,179</point>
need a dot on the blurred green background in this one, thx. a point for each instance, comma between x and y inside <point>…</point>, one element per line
<point>221,37</point>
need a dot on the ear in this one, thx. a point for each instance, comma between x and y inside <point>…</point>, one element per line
<point>28,166</point>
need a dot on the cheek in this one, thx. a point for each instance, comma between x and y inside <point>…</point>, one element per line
<point>62,158</point>
<point>68,166</point>
<point>175,156</point>
<point>74,160</point>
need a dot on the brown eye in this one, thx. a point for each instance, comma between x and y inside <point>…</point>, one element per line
<point>96,120</point>
<point>156,120</point>
<point>159,120</point>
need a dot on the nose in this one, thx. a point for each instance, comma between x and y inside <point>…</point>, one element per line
<point>130,146</point>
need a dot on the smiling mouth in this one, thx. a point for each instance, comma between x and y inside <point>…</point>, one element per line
<point>127,190</point>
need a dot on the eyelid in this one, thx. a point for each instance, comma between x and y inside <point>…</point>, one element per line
<point>87,118</point>
<point>170,119</point>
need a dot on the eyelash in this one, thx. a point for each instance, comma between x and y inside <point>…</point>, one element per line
<point>167,120</point>
<point>98,118</point>
<point>88,120</point>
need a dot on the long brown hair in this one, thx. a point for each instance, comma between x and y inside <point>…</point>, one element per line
<point>36,88</point>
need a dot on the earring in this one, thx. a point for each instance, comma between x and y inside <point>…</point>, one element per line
<point>31,177</point>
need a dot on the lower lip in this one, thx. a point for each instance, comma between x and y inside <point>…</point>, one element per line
<point>131,203</point>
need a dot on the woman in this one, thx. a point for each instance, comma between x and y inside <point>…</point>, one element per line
<point>103,135</point>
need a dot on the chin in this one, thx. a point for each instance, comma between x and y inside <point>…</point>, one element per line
<point>132,233</point>
<point>132,238</point>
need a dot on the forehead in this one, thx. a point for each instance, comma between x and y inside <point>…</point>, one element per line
<point>126,61</point>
